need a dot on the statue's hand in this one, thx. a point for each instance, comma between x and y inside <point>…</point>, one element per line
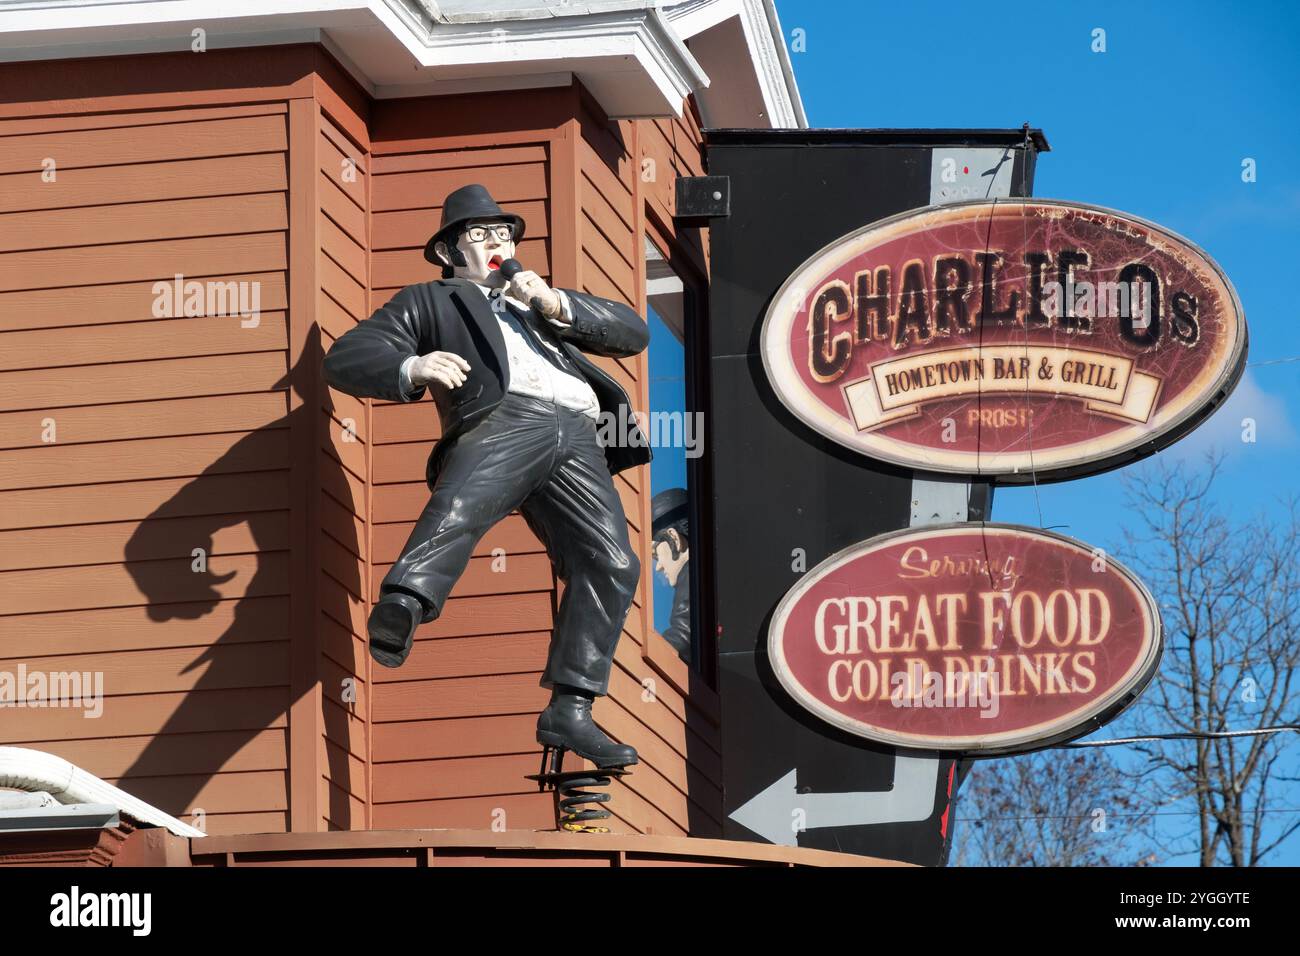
<point>446,369</point>
<point>528,285</point>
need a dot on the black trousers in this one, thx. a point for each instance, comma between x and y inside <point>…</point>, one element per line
<point>545,460</point>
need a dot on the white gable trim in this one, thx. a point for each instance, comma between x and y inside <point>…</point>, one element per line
<point>630,54</point>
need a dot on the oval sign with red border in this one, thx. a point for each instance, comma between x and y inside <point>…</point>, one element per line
<point>976,638</point>
<point>1006,338</point>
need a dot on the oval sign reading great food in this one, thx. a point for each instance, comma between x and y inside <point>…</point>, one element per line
<point>977,638</point>
<point>1005,338</point>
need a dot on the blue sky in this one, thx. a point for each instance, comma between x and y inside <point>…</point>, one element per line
<point>1158,125</point>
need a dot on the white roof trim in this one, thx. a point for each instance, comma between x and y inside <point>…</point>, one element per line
<point>80,816</point>
<point>787,84</point>
<point>631,54</point>
<point>765,42</point>
<point>34,770</point>
<point>626,52</point>
<point>568,43</point>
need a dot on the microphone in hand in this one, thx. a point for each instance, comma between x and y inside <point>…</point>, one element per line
<point>511,268</point>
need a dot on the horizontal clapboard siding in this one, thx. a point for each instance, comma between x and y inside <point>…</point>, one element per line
<point>343,187</point>
<point>453,729</point>
<point>132,434</point>
<point>669,148</point>
<point>678,788</point>
<point>134,431</point>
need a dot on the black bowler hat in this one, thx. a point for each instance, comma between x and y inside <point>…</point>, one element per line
<point>668,508</point>
<point>467,204</point>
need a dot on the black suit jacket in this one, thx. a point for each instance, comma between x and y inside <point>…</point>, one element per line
<point>678,633</point>
<point>452,315</point>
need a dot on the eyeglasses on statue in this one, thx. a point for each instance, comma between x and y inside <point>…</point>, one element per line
<point>503,231</point>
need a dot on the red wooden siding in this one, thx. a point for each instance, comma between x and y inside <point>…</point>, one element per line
<point>247,691</point>
<point>170,435</point>
<point>676,782</point>
<point>669,148</point>
<point>453,728</point>
<point>343,234</point>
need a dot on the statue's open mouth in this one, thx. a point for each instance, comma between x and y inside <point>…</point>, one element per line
<point>495,262</point>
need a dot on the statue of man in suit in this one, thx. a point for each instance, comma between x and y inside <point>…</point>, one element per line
<point>519,401</point>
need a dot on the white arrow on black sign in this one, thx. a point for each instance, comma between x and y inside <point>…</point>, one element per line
<point>770,814</point>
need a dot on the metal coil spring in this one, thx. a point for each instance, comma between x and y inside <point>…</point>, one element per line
<point>573,800</point>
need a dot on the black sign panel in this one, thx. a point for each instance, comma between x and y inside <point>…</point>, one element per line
<point>785,497</point>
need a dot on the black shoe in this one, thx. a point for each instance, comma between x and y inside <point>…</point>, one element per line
<point>567,723</point>
<point>392,627</point>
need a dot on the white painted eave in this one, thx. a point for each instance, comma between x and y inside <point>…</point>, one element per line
<point>626,59</point>
<point>743,41</point>
<point>625,52</point>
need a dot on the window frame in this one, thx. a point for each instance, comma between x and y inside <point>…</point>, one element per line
<point>698,681</point>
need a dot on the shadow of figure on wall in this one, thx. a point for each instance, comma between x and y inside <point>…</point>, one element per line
<point>236,693</point>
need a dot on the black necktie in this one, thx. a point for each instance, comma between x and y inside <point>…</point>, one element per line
<point>554,355</point>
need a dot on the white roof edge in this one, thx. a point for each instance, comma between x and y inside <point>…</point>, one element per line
<point>643,34</point>
<point>75,816</point>
<point>626,51</point>
<point>632,54</point>
<point>787,68</point>
<point>22,768</point>
<point>767,49</point>
<point>691,17</point>
<point>469,11</point>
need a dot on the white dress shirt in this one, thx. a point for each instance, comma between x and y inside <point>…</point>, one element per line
<point>531,373</point>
